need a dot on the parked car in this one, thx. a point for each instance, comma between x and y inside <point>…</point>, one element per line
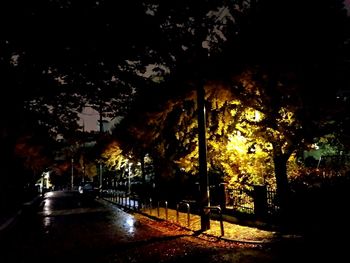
<point>88,190</point>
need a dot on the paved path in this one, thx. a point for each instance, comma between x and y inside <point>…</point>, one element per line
<point>191,221</point>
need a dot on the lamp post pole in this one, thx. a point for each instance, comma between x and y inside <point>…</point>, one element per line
<point>42,184</point>
<point>101,179</point>
<point>101,132</point>
<point>202,156</point>
<point>72,178</point>
<point>129,181</point>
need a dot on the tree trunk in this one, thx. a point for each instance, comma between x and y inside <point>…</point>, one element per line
<point>280,162</point>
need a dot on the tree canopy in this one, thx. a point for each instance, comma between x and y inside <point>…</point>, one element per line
<point>283,63</point>
<point>280,62</point>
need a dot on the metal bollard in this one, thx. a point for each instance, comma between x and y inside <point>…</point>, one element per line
<point>150,206</point>
<point>166,209</point>
<point>188,212</point>
<point>217,208</point>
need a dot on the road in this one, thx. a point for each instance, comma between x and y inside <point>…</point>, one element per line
<point>69,228</point>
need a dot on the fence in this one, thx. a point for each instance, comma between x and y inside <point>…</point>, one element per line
<point>239,200</point>
<point>260,201</point>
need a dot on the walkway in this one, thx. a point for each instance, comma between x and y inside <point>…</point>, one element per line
<point>10,218</point>
<point>223,230</point>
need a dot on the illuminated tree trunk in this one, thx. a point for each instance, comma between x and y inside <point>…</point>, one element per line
<point>202,148</point>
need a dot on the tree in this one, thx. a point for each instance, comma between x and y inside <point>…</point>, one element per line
<point>50,73</point>
<point>269,85</point>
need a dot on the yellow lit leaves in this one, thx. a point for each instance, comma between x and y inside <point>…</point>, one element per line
<point>113,156</point>
<point>253,115</point>
<point>286,116</point>
<point>90,170</point>
<point>189,162</point>
<point>218,95</point>
<point>224,120</point>
<point>237,143</point>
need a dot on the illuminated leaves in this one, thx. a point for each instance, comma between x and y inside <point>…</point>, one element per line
<point>245,131</point>
<point>113,156</point>
<point>240,136</point>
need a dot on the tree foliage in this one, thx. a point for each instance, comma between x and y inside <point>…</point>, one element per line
<point>269,68</point>
<point>284,77</point>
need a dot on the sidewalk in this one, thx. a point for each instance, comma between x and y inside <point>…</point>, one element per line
<point>225,230</point>
<point>7,220</point>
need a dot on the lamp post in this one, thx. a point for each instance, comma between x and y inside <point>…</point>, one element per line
<point>42,184</point>
<point>101,132</point>
<point>100,177</point>
<point>72,178</point>
<point>129,180</point>
<point>204,199</point>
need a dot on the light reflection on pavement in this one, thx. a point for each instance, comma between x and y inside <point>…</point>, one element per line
<point>69,228</point>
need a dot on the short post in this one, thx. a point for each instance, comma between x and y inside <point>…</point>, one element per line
<point>218,209</point>
<point>150,206</point>
<point>158,209</point>
<point>188,212</point>
<point>166,209</point>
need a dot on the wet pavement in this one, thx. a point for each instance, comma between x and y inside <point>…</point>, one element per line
<point>70,228</point>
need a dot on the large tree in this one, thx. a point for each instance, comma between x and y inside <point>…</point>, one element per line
<point>289,57</point>
<point>59,56</point>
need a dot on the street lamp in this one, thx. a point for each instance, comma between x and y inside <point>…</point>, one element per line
<point>72,179</point>
<point>204,199</point>
<point>101,175</point>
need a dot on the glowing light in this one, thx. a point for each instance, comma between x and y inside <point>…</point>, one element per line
<point>130,225</point>
<point>47,209</point>
<point>237,143</point>
<point>258,116</point>
<point>47,175</point>
<point>49,194</point>
<point>47,221</point>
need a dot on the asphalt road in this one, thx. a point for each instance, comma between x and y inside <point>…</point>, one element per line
<point>70,228</point>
